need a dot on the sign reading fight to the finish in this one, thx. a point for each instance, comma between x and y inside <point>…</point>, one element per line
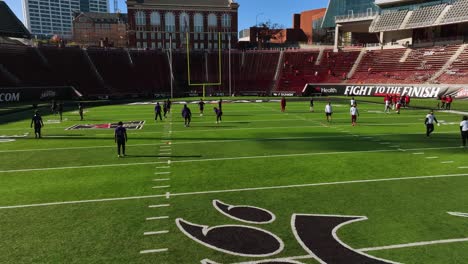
<point>127,125</point>
<point>37,94</point>
<point>416,91</point>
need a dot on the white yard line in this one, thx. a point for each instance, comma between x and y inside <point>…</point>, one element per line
<point>417,244</point>
<point>413,178</point>
<point>158,205</point>
<point>151,251</point>
<point>161,187</point>
<point>447,162</point>
<point>223,159</point>
<point>155,233</point>
<point>157,218</point>
<point>157,180</point>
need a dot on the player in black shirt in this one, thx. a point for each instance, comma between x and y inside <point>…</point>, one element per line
<point>80,110</point>
<point>201,105</point>
<point>120,137</point>
<point>60,110</point>
<point>38,124</point>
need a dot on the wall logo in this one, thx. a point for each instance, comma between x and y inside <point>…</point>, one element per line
<point>9,97</point>
<point>48,94</point>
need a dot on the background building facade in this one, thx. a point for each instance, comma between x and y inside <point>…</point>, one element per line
<point>54,17</point>
<point>100,29</point>
<point>158,23</point>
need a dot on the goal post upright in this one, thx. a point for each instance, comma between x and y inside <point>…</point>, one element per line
<point>220,70</point>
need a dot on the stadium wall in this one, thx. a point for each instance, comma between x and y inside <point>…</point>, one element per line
<point>415,91</point>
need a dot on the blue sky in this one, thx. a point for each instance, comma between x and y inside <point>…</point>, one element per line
<point>278,11</point>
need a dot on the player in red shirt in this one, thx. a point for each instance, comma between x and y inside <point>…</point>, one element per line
<point>407,100</point>
<point>283,104</point>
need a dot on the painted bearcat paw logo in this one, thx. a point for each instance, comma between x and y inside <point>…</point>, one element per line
<point>317,234</point>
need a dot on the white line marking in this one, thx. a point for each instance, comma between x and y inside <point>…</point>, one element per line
<point>157,180</point>
<point>157,218</point>
<point>149,251</point>
<point>223,159</point>
<point>432,157</point>
<point>419,153</point>
<point>161,173</point>
<point>463,167</point>
<point>159,205</point>
<point>155,233</point>
<point>161,187</point>
<point>447,162</point>
<point>163,167</point>
<point>417,244</point>
<point>458,214</point>
<point>237,190</point>
<point>396,146</point>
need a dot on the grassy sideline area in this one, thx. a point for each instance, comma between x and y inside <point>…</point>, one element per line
<point>67,198</point>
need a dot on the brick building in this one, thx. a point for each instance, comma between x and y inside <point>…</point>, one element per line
<point>308,22</point>
<point>153,23</point>
<point>100,29</point>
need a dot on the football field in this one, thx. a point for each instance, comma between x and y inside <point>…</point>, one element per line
<point>261,187</point>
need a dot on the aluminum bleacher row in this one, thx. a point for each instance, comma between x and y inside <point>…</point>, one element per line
<point>425,16</point>
<point>120,72</point>
<point>389,21</point>
<point>458,12</point>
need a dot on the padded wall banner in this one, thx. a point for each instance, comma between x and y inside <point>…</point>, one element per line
<point>37,94</point>
<point>415,91</point>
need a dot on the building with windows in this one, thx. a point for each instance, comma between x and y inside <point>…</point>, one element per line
<point>100,29</point>
<point>99,6</point>
<point>164,24</point>
<point>54,17</point>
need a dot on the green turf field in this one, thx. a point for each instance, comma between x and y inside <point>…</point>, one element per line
<point>67,198</point>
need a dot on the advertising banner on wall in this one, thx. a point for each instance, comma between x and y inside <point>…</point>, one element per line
<point>37,94</point>
<point>415,91</point>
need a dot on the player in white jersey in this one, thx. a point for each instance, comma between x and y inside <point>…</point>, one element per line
<point>354,114</point>
<point>388,106</point>
<point>464,130</point>
<point>353,102</point>
<point>329,112</point>
<point>429,121</point>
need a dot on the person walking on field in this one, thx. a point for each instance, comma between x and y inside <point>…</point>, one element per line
<point>311,104</point>
<point>429,121</point>
<point>165,109</point>
<point>60,111</point>
<point>187,115</point>
<point>38,124</point>
<point>464,130</point>
<point>81,110</point>
<point>201,106</point>
<point>157,111</point>
<point>120,137</point>
<point>329,112</point>
<point>219,115</point>
<point>283,104</point>
<point>354,114</point>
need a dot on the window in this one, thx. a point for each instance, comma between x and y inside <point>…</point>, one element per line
<point>184,22</point>
<point>226,20</point>
<point>155,19</point>
<point>212,21</point>
<point>140,18</point>
<point>152,35</point>
<point>198,22</point>
<point>170,22</point>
